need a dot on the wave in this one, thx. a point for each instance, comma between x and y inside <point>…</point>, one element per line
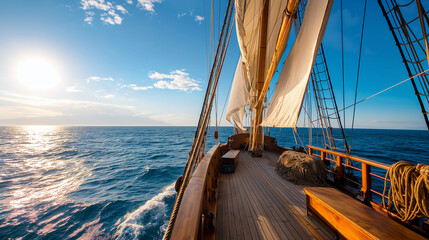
<point>158,156</point>
<point>149,219</point>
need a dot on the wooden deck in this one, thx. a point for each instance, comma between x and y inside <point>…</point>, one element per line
<point>256,203</point>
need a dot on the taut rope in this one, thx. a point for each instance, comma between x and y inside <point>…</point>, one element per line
<point>200,134</point>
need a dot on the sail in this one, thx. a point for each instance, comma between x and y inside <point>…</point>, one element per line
<point>239,97</point>
<point>248,23</point>
<point>288,97</point>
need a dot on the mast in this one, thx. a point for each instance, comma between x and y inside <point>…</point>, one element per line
<point>256,138</point>
<point>288,17</point>
<point>263,80</point>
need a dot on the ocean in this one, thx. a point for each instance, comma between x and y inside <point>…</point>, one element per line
<point>118,182</point>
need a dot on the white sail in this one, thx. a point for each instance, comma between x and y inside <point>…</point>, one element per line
<point>288,97</point>
<point>239,97</point>
<point>248,15</point>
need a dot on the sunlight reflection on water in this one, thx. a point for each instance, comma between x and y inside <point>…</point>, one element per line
<point>83,182</point>
<point>39,180</point>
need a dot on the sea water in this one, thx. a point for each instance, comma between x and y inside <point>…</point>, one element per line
<point>118,182</point>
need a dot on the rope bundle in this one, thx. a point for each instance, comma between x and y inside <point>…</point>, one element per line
<point>409,190</point>
<point>301,168</point>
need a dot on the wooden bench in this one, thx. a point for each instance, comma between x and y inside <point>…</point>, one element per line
<point>229,161</point>
<point>352,219</point>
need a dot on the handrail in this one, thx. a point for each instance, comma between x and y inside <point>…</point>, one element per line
<point>197,196</point>
<point>351,157</point>
<point>339,176</point>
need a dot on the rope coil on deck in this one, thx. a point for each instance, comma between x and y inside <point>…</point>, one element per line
<point>301,168</point>
<point>409,190</point>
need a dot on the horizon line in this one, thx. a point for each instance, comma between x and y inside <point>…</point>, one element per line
<point>47,125</point>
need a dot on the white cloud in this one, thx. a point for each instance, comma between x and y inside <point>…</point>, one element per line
<point>135,87</point>
<point>181,15</point>
<point>89,19</point>
<point>199,19</point>
<point>148,5</point>
<point>97,79</point>
<point>176,119</point>
<point>108,96</point>
<point>177,79</point>
<point>18,109</point>
<point>97,4</point>
<point>105,8</point>
<point>108,20</point>
<point>13,112</point>
<point>73,89</point>
<point>114,18</point>
<point>180,72</point>
<point>122,9</point>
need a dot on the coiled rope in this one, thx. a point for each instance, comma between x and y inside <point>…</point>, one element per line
<point>409,190</point>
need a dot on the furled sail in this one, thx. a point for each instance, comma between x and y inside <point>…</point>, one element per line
<point>288,97</point>
<point>248,23</point>
<point>239,97</point>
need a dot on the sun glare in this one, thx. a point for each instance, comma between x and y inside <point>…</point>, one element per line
<point>37,73</point>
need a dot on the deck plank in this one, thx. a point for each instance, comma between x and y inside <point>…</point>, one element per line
<point>262,208</point>
<point>253,206</point>
<point>271,209</point>
<point>248,211</point>
<point>248,228</point>
<point>256,203</point>
<point>297,233</point>
<point>295,194</point>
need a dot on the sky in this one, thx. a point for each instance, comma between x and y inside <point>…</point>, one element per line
<point>145,63</point>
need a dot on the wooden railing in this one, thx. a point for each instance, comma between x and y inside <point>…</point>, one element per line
<point>364,185</point>
<point>198,209</point>
<point>338,172</point>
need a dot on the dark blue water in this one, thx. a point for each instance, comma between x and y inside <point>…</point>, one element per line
<point>116,182</point>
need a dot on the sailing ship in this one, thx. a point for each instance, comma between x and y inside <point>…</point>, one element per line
<point>233,191</point>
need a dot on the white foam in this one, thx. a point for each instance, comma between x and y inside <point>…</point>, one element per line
<point>131,226</point>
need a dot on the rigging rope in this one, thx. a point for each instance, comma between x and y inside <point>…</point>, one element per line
<point>357,75</point>
<point>375,94</point>
<point>205,38</point>
<point>342,64</point>
<point>226,99</point>
<point>409,190</point>
<point>216,96</point>
<point>201,132</point>
<point>299,138</point>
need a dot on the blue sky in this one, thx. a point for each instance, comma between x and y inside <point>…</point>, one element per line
<point>144,62</point>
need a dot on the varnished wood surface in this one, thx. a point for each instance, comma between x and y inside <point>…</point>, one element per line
<point>256,203</point>
<point>352,219</point>
<point>231,154</point>
<point>351,157</point>
<point>188,221</point>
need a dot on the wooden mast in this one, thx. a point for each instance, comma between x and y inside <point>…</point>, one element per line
<point>256,144</point>
<point>282,39</point>
<point>263,81</point>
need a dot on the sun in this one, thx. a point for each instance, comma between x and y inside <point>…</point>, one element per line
<point>37,73</point>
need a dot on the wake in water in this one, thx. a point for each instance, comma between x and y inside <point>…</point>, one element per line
<point>149,219</point>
